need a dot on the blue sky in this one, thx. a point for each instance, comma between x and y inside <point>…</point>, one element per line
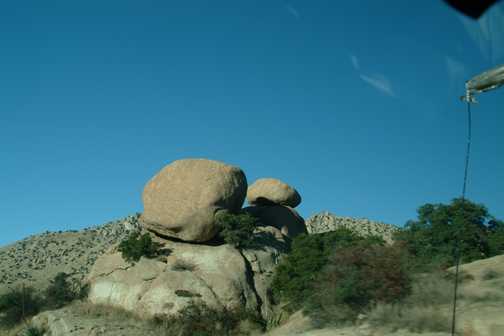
<point>355,104</point>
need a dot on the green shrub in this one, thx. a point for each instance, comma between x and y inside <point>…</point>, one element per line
<point>135,246</point>
<point>17,305</point>
<point>237,229</point>
<point>59,292</point>
<point>295,275</point>
<point>496,237</point>
<point>356,278</point>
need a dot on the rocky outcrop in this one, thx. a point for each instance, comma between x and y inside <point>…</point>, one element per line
<point>221,276</point>
<point>181,201</point>
<point>325,221</point>
<point>268,191</point>
<point>284,218</point>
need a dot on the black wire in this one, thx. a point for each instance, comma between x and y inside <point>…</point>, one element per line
<point>457,242</point>
<point>468,150</point>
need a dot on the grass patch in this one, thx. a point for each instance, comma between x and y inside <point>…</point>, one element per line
<point>414,318</point>
<point>422,310</point>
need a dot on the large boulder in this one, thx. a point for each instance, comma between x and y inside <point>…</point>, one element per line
<point>222,277</point>
<point>284,218</point>
<point>268,191</point>
<point>183,199</point>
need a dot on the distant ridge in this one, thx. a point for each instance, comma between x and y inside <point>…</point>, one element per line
<point>326,221</point>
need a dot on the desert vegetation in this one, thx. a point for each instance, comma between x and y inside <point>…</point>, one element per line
<point>23,302</point>
<point>338,277</point>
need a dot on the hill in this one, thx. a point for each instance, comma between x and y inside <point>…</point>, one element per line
<point>38,258</point>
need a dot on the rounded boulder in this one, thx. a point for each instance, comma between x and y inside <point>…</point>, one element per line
<point>181,201</point>
<point>269,191</point>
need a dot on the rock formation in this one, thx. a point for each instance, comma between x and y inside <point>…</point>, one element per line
<point>221,276</point>
<point>181,201</point>
<point>267,191</point>
<point>272,203</point>
<point>325,221</point>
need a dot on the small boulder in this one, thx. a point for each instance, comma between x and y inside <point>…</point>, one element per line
<point>284,218</point>
<point>181,201</point>
<point>269,191</point>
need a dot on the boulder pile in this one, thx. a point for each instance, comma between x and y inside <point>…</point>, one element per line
<point>273,202</point>
<point>181,206</point>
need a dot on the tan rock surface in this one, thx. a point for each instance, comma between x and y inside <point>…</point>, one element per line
<point>182,199</point>
<point>267,191</point>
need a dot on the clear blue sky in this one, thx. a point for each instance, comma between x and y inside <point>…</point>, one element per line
<point>354,104</point>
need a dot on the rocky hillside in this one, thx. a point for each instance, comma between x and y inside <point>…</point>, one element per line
<point>38,258</point>
<point>326,221</point>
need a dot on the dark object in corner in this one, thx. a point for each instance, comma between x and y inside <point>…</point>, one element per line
<point>473,9</point>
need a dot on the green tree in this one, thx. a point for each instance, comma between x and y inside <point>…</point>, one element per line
<point>237,229</point>
<point>496,236</point>
<point>59,292</point>
<point>432,237</point>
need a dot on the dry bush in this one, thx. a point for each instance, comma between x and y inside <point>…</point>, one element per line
<point>431,289</point>
<point>422,310</point>
<point>416,319</point>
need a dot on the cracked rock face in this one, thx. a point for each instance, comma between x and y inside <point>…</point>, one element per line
<point>221,276</point>
<point>181,201</point>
